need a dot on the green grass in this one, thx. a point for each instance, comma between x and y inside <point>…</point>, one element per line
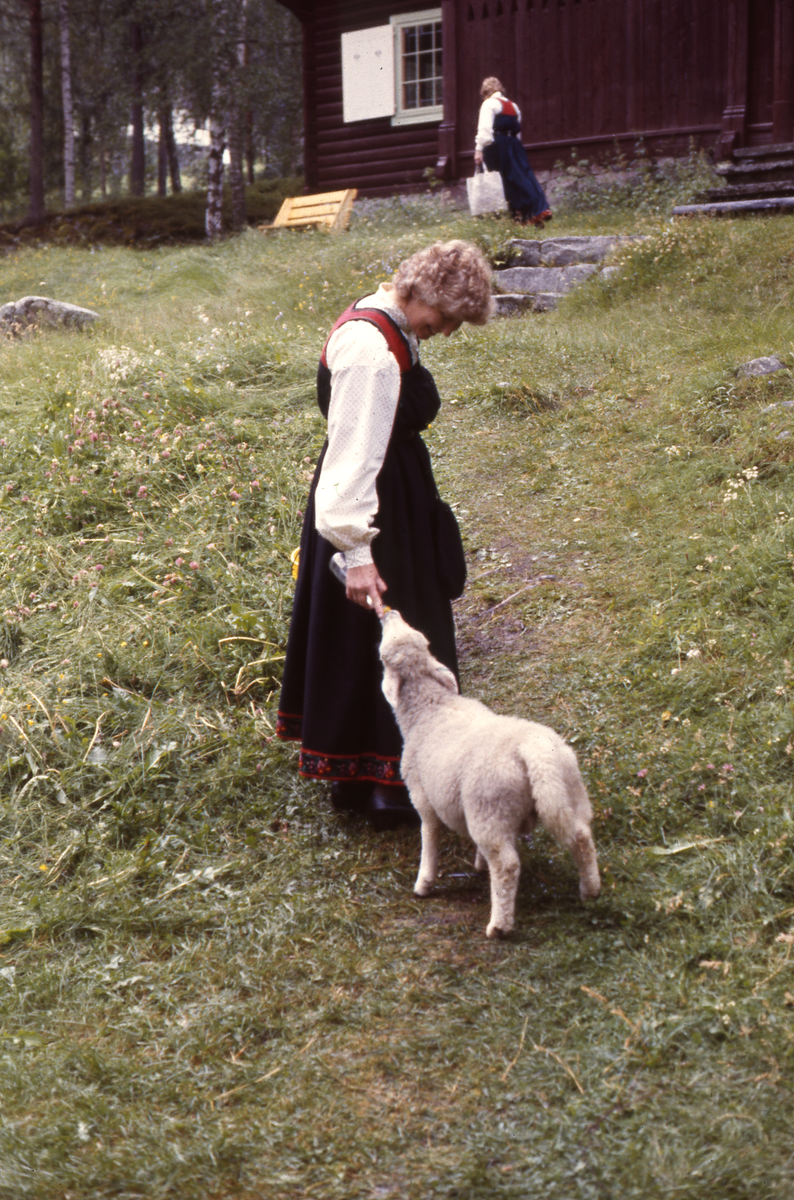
<point>211,985</point>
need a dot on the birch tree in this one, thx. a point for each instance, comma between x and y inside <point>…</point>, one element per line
<point>213,221</point>
<point>226,113</point>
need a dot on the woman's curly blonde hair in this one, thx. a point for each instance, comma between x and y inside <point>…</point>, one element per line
<point>453,277</point>
<point>490,85</point>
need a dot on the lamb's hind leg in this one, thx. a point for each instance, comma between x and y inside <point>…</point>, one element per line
<point>582,847</point>
<point>505,868</point>
<point>565,811</point>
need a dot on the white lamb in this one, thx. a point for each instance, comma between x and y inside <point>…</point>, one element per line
<point>480,774</point>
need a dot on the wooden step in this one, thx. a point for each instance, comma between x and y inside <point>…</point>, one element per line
<point>744,191</point>
<point>785,149</point>
<point>735,208</point>
<point>752,171</point>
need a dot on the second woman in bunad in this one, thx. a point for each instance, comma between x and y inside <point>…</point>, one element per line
<point>498,145</point>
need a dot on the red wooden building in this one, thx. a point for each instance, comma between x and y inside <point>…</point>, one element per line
<point>391,88</point>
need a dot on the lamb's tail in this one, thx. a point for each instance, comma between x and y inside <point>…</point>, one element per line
<point>563,806</point>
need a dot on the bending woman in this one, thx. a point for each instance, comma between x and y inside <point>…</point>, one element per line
<point>498,144</point>
<point>374,498</point>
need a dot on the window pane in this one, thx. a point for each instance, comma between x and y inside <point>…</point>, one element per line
<point>421,65</point>
<point>425,37</point>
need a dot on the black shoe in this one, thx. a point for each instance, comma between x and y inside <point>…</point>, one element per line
<point>350,795</point>
<point>389,808</point>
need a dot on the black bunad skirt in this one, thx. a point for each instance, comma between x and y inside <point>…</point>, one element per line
<point>506,154</point>
<point>331,698</point>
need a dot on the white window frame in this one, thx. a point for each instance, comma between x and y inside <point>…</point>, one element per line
<point>412,116</point>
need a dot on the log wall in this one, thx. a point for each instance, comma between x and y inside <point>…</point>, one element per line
<point>588,75</point>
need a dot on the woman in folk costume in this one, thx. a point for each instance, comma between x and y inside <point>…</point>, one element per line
<point>374,498</point>
<point>498,145</point>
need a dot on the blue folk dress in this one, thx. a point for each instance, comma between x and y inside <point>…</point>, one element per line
<point>506,154</point>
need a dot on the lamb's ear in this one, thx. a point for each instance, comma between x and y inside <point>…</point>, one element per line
<point>391,686</point>
<point>444,676</point>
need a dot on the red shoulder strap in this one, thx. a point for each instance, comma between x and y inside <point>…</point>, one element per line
<point>509,108</point>
<point>382,321</point>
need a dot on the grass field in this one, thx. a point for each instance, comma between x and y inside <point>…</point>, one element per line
<point>211,986</point>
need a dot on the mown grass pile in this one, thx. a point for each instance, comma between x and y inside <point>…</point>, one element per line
<point>211,985</point>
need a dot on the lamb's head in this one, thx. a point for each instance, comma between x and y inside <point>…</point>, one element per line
<point>406,657</point>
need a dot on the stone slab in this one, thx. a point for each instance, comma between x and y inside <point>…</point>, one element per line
<point>765,365</point>
<point>42,311</point>
<point>565,251</point>
<point>517,304</point>
<point>543,279</point>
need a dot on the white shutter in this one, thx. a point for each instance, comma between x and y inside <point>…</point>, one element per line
<point>368,73</point>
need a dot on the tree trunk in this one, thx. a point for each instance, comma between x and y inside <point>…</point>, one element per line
<point>237,107</point>
<point>214,216</point>
<point>68,111</point>
<point>236,176</point>
<point>138,159</point>
<point>86,158</point>
<point>162,156</point>
<point>103,165</point>
<point>250,149</point>
<point>36,211</point>
<point>171,152</point>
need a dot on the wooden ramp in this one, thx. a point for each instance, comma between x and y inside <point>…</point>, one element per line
<point>329,209</point>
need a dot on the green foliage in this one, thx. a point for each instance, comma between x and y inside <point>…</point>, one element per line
<point>157,56</point>
<point>211,984</point>
<point>146,221</point>
<point>637,184</point>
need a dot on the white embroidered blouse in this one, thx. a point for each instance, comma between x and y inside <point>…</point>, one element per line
<point>488,110</point>
<point>365,388</point>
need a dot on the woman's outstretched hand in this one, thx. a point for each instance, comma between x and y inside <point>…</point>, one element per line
<point>365,587</point>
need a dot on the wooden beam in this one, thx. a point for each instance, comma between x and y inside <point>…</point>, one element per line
<point>447,164</point>
<point>734,117</point>
<point>783,98</point>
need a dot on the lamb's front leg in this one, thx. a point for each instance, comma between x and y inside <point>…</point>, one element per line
<point>431,840</point>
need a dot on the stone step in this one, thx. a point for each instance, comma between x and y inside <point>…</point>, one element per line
<point>564,251</point>
<point>735,207</point>
<point>533,280</point>
<point>546,269</point>
<point>515,304</point>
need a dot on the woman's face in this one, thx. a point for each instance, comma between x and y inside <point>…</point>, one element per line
<point>426,321</point>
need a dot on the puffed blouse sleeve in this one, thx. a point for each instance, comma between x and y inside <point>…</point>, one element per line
<point>365,389</point>
<point>488,110</point>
